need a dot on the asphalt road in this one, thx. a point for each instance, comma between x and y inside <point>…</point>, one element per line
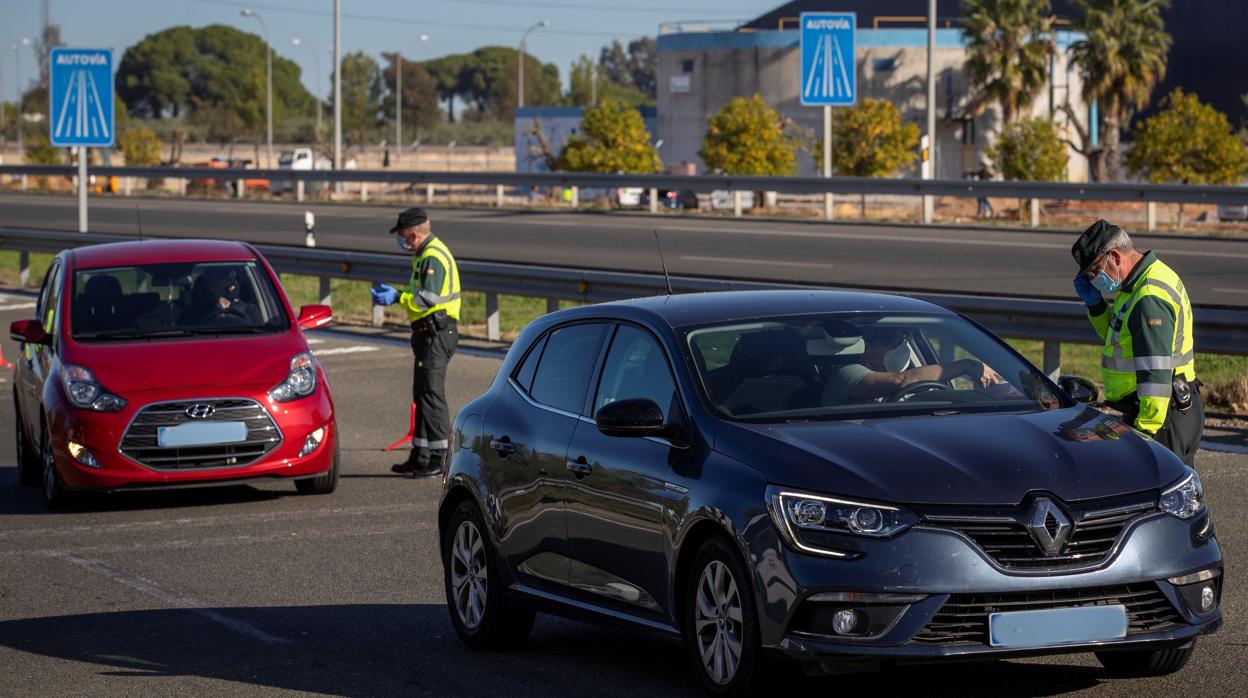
<point>257,591</point>
<point>885,257</point>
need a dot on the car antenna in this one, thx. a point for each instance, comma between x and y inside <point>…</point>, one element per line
<point>138,217</point>
<point>666,277</point>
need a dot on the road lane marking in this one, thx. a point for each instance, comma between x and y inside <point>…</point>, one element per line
<point>172,598</point>
<point>313,340</point>
<point>756,262</point>
<point>17,306</point>
<point>343,350</point>
<point>1231,290</point>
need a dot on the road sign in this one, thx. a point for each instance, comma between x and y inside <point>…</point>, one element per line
<point>829,76</point>
<point>81,95</point>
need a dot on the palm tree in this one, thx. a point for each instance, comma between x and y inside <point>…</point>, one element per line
<point>1123,57</point>
<point>1009,42</point>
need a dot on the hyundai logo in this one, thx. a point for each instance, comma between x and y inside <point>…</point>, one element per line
<point>1050,527</point>
<point>200,410</point>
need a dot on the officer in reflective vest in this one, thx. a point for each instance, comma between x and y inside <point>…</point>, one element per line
<point>1148,363</point>
<point>432,302</point>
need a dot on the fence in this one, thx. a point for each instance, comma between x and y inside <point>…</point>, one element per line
<point>1151,194</point>
<point>1218,330</point>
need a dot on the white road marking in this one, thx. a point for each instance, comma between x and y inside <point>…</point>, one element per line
<point>313,340</point>
<point>343,350</point>
<point>1231,290</point>
<point>172,598</point>
<point>755,262</point>
<point>17,306</point>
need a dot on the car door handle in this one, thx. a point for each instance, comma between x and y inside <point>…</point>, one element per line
<point>580,467</point>
<point>504,447</point>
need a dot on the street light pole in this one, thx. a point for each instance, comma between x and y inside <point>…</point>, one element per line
<point>17,69</point>
<point>929,203</point>
<point>337,87</point>
<point>523,40</point>
<point>316,62</point>
<point>268,83</point>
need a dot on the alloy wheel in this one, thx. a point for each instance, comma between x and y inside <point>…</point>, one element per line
<point>718,622</point>
<point>469,581</point>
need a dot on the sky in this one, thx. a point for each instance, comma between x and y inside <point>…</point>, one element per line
<point>453,26</point>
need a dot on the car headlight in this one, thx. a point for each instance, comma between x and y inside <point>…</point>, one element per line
<point>300,382</point>
<point>85,392</point>
<point>805,519</point>
<point>1184,499</point>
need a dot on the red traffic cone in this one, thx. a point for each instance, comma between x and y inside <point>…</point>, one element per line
<point>6,364</point>
<point>407,439</point>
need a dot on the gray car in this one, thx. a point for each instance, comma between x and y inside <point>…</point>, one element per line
<point>837,479</point>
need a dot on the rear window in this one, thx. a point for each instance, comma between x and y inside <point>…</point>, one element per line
<point>175,299</point>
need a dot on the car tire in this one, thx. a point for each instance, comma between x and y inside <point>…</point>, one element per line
<point>1138,664</point>
<point>321,484</point>
<point>721,621</point>
<point>29,465</point>
<point>483,616</point>
<point>55,496</point>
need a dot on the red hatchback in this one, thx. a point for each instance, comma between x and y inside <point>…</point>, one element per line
<point>169,364</point>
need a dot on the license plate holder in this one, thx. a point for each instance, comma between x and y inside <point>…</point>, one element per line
<point>1057,626</point>
<point>201,434</point>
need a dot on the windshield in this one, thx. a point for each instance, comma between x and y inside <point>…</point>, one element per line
<point>852,365</point>
<point>175,299</point>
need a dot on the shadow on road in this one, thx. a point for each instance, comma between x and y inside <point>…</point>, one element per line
<point>373,649</point>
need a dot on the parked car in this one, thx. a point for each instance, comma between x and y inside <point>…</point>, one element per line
<point>722,200</point>
<point>628,197</point>
<point>703,466</point>
<point>166,364</point>
<point>673,199</point>
<point>1232,212</point>
<point>300,159</point>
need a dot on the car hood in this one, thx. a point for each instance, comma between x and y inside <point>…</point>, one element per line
<point>169,364</point>
<point>1076,453</point>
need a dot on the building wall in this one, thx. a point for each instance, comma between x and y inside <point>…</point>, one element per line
<point>700,72</point>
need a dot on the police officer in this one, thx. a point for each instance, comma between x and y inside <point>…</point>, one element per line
<point>1148,363</point>
<point>432,303</point>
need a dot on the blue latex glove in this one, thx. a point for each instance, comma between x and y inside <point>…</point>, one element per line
<point>384,295</point>
<point>1087,292</point>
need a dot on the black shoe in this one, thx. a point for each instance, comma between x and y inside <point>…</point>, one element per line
<point>407,466</point>
<point>431,470</point>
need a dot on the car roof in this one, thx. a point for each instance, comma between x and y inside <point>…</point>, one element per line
<point>690,309</point>
<point>116,254</point>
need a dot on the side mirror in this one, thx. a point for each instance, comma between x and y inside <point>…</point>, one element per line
<point>314,316</point>
<point>28,332</point>
<point>1079,389</point>
<point>632,417</point>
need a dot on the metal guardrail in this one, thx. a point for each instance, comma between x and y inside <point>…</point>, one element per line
<point>1218,330</point>
<point>1171,193</point>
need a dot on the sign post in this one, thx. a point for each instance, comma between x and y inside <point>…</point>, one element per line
<point>829,73</point>
<point>80,89</point>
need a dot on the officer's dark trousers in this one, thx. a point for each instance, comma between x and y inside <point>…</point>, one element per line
<point>433,344</point>
<point>1182,429</point>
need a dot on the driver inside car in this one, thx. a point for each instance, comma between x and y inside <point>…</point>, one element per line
<point>216,297</point>
<point>869,379</point>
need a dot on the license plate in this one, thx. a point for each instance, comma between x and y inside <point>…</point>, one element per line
<point>1057,626</point>
<point>201,434</point>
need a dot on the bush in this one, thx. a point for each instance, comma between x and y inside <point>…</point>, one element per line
<point>40,152</point>
<point>612,138</point>
<point>747,137</point>
<point>869,140</point>
<point>1030,150</point>
<point>1188,142</point>
<point>140,146</point>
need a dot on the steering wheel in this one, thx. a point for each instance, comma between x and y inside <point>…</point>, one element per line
<point>225,316</point>
<point>915,388</point>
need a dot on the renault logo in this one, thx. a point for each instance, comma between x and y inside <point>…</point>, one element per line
<point>1050,527</point>
<point>200,410</point>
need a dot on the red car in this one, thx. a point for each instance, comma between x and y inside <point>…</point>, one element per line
<point>167,364</point>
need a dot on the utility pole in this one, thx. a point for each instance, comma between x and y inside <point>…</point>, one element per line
<point>523,41</point>
<point>398,106</point>
<point>929,172</point>
<point>337,88</point>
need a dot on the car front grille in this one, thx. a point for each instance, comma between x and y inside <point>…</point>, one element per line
<point>963,619</point>
<point>1003,535</point>
<point>140,441</point>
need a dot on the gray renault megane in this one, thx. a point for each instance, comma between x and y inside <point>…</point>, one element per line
<point>839,479</point>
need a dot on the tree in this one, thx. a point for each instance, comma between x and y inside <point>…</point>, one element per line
<point>1008,47</point>
<point>1188,142</point>
<point>581,89</point>
<point>747,137</point>
<point>641,64</point>
<point>486,81</point>
<point>612,138</point>
<point>420,94</point>
<point>869,140</point>
<point>1030,150</point>
<point>362,89</point>
<point>140,146</point>
<point>614,63</point>
<point>1123,57</point>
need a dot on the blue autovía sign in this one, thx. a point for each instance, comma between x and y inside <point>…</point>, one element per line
<point>829,76</point>
<point>81,96</point>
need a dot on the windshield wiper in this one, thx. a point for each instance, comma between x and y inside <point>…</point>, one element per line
<point>229,330</point>
<point>131,335</point>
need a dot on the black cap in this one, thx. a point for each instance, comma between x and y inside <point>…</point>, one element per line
<point>1087,249</point>
<point>410,217</point>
